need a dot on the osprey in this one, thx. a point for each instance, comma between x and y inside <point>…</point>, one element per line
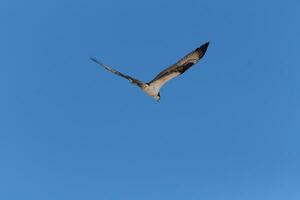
<point>153,87</point>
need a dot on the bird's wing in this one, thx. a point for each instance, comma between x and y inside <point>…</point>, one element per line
<point>131,79</point>
<point>180,67</point>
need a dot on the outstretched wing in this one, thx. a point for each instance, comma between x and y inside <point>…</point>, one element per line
<point>179,68</point>
<point>131,79</point>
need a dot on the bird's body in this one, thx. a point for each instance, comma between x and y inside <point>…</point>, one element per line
<point>153,87</point>
<point>151,90</point>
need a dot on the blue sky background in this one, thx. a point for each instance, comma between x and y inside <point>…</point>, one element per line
<point>227,129</point>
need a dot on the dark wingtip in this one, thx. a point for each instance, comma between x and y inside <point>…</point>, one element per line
<point>93,59</point>
<point>203,48</point>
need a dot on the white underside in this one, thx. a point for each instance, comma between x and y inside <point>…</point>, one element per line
<point>151,90</point>
<point>154,88</point>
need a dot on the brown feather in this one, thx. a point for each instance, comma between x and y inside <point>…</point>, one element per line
<point>181,66</point>
<point>131,79</point>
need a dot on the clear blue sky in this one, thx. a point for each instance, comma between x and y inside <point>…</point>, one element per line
<point>227,129</point>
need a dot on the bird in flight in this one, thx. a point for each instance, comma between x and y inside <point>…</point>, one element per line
<point>152,88</point>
